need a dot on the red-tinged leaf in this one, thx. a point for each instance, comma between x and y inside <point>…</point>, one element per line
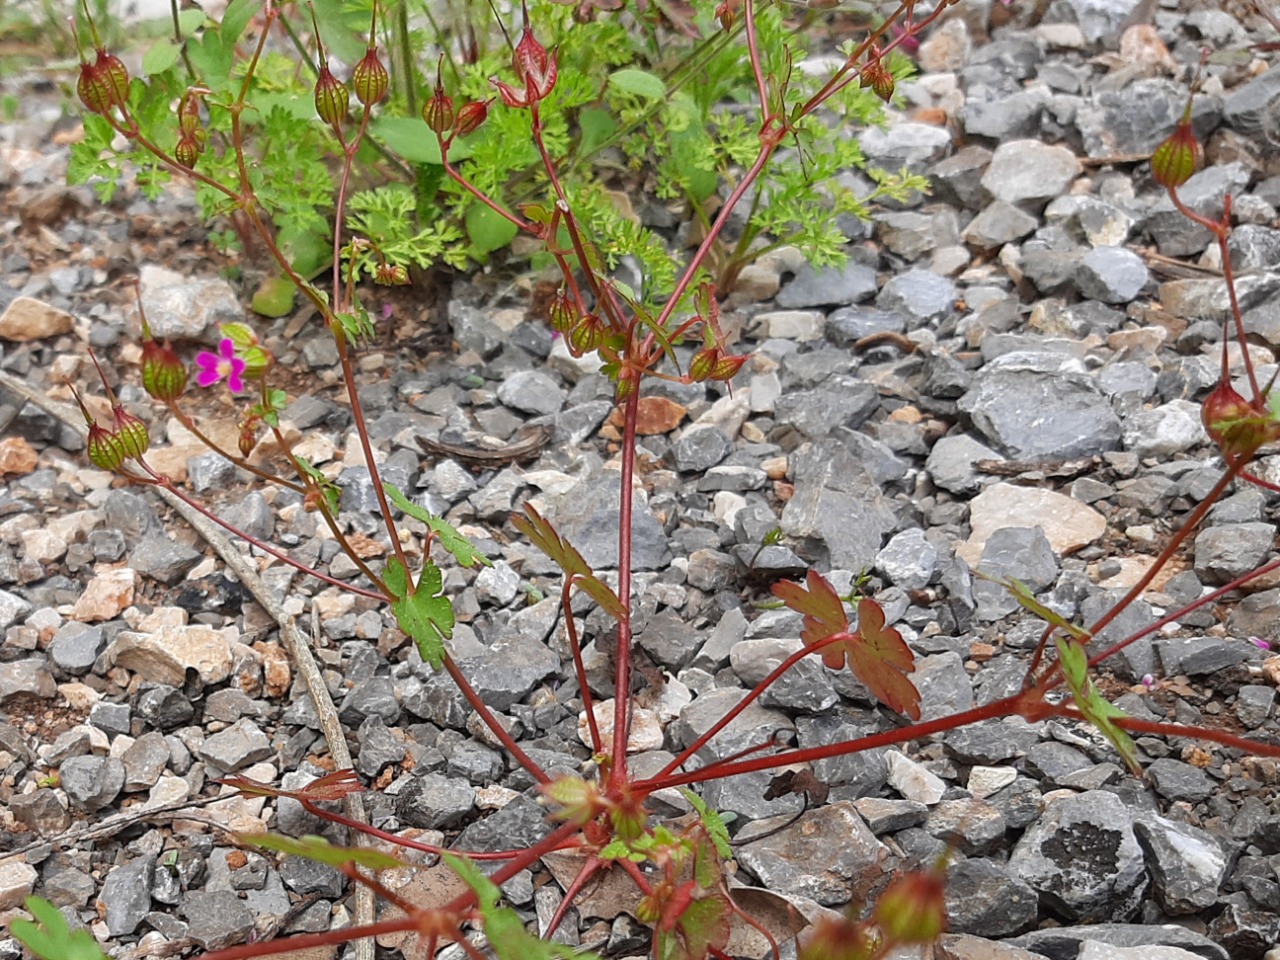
<point>823,612</point>
<point>601,593</point>
<point>332,786</point>
<point>544,536</point>
<point>881,659</point>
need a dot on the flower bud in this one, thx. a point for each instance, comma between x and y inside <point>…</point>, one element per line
<point>587,335</point>
<point>332,97</point>
<point>1235,425</point>
<point>876,76</point>
<point>187,152</point>
<point>248,439</point>
<point>103,84</point>
<point>130,433</point>
<point>913,908</point>
<point>703,364</point>
<point>726,368</point>
<point>370,79</point>
<point>391,275</point>
<point>164,376</point>
<point>1178,157</point>
<point>470,116</point>
<point>438,112</point>
<point>105,450</point>
<point>563,312</point>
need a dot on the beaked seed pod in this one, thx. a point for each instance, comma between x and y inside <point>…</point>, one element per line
<point>703,364</point>
<point>727,367</point>
<point>164,376</point>
<point>913,908</point>
<point>104,83</point>
<point>437,112</point>
<point>105,450</point>
<point>470,116</point>
<point>332,98</point>
<point>876,76</point>
<point>1178,157</point>
<point>370,79</point>
<point>187,151</point>
<point>248,439</point>
<point>587,335</point>
<point>562,312</point>
<point>391,275</point>
<point>131,433</point>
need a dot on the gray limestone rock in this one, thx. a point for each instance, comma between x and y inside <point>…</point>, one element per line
<point>1034,414</point>
<point>1187,864</point>
<point>126,895</point>
<point>92,782</point>
<point>837,510</point>
<point>434,802</point>
<point>1083,858</point>
<point>801,860</point>
<point>983,898</point>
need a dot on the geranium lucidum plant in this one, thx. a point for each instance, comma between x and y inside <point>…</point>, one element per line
<point>678,868</point>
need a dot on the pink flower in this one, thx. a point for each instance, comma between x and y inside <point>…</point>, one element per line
<point>1260,643</point>
<point>223,365</point>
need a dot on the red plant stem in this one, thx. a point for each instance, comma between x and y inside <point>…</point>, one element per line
<point>311,807</point>
<point>189,424</point>
<point>622,675</point>
<point>1183,611</point>
<point>637,875</point>
<point>584,689</point>
<point>753,55</point>
<point>305,941</point>
<point>492,723</point>
<point>589,870</point>
<point>162,481</point>
<point>1160,728</point>
<point>721,770</point>
<point>749,699</point>
<point>1221,230</point>
<point>1181,534</point>
<point>466,184</point>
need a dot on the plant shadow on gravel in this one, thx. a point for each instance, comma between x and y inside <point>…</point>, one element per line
<point>507,144</point>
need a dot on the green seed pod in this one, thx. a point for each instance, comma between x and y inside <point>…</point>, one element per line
<point>131,433</point>
<point>437,112</point>
<point>332,98</point>
<point>187,152</point>
<point>1178,157</point>
<point>164,376</point>
<point>105,450</point>
<point>703,364</point>
<point>370,79</point>
<point>563,312</point>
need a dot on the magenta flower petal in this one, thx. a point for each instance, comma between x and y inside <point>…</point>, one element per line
<point>234,383</point>
<point>227,348</point>
<point>208,364</point>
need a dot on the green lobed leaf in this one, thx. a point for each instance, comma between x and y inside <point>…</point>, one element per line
<point>712,821</point>
<point>1097,710</point>
<point>454,542</point>
<point>503,927</point>
<point>320,850</point>
<point>421,612</point>
<point>332,494</point>
<point>50,938</point>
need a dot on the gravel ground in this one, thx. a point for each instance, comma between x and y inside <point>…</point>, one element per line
<point>1006,376</point>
